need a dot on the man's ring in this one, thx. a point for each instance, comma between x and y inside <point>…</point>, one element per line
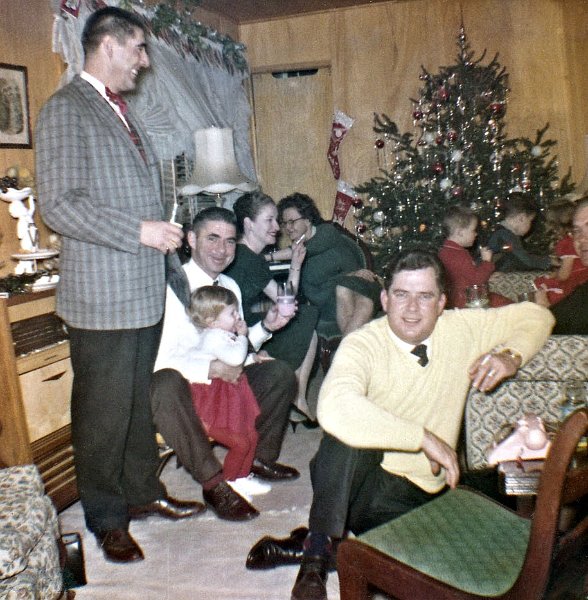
<point>491,373</point>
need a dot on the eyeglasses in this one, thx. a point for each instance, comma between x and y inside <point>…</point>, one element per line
<point>290,222</point>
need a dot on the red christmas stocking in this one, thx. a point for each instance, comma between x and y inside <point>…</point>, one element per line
<point>343,201</point>
<point>341,125</point>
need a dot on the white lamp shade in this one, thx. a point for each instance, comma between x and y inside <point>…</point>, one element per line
<point>215,168</point>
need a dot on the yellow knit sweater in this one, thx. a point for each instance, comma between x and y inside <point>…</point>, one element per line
<point>377,396</point>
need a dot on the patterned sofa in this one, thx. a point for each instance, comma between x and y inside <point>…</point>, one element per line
<point>29,532</point>
<point>513,284</point>
<point>537,388</point>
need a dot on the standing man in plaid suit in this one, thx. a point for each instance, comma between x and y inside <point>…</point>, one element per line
<point>98,186</point>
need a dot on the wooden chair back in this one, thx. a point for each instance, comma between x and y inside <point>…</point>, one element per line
<point>362,566</point>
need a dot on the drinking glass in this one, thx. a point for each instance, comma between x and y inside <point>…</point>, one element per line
<point>526,296</point>
<point>574,397</point>
<point>286,299</point>
<point>477,296</point>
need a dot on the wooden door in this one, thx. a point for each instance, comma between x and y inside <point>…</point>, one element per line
<point>293,116</point>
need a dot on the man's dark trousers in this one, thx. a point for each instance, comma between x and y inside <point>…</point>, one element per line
<point>113,435</point>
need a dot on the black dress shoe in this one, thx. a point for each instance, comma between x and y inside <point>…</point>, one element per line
<point>311,583</point>
<point>227,504</point>
<point>269,552</point>
<point>168,508</point>
<point>118,546</point>
<point>273,471</point>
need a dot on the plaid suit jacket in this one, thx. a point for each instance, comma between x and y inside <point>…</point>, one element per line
<point>95,189</point>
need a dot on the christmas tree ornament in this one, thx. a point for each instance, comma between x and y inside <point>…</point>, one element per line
<point>452,135</point>
<point>536,151</point>
<point>445,183</point>
<point>379,231</point>
<point>456,155</point>
<point>497,108</point>
<point>378,216</point>
<point>361,228</point>
<point>429,137</point>
<point>379,144</point>
<point>357,203</point>
<point>341,125</point>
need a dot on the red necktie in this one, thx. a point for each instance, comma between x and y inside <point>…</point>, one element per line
<point>121,103</point>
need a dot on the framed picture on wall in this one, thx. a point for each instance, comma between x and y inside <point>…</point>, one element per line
<point>15,125</point>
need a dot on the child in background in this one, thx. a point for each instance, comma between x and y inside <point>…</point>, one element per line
<point>571,272</point>
<point>506,241</point>
<point>460,224</point>
<point>227,410</point>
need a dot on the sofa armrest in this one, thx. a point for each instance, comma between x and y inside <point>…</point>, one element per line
<point>537,388</point>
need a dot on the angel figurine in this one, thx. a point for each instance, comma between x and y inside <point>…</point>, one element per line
<point>26,230</point>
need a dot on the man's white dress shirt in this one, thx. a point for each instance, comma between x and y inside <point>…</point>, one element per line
<point>179,348</point>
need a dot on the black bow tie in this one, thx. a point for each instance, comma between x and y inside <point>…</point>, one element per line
<point>421,352</point>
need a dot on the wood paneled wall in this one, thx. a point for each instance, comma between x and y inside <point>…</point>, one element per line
<point>375,53</point>
<point>25,39</point>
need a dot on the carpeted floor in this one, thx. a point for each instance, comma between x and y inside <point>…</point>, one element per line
<point>204,558</point>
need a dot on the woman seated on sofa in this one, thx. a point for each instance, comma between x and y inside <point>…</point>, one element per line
<point>257,227</point>
<point>333,275</point>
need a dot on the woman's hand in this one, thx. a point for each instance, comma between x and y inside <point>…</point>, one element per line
<point>273,320</point>
<point>298,255</point>
<point>364,274</point>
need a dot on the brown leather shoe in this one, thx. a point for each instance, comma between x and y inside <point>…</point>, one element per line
<point>168,508</point>
<point>311,583</point>
<point>118,546</point>
<point>227,504</point>
<point>273,471</point>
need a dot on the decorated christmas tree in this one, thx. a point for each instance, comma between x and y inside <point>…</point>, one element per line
<point>458,154</point>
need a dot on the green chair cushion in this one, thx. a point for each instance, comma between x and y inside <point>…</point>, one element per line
<point>461,538</point>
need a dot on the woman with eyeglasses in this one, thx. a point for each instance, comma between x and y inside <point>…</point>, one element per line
<point>258,228</point>
<point>334,277</point>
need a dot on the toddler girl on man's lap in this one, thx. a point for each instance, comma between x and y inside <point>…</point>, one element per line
<point>227,410</point>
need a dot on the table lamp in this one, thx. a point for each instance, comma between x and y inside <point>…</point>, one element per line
<point>215,167</point>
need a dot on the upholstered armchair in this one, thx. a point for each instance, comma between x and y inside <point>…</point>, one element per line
<point>29,533</point>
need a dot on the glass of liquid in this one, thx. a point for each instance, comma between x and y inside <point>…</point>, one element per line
<point>286,299</point>
<point>477,296</point>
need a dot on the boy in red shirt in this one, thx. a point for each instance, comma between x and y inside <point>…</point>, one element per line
<point>462,271</point>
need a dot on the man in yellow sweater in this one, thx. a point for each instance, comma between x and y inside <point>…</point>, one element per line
<point>392,418</point>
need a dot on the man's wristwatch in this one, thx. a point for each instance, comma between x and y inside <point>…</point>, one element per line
<point>516,356</point>
<point>265,329</point>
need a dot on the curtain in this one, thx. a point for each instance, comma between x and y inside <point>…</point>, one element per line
<point>179,94</point>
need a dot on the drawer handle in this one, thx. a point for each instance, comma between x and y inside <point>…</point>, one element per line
<point>55,377</point>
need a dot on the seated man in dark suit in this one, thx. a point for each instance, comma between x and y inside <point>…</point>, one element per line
<point>180,360</point>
